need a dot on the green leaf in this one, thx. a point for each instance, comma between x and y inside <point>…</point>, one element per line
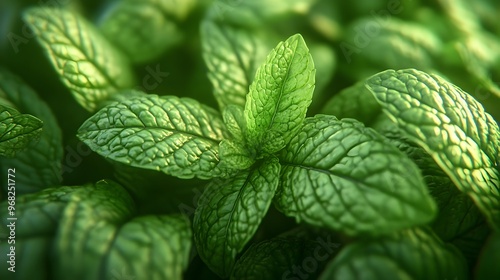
<point>487,267</point>
<point>354,102</point>
<point>345,177</point>
<point>409,254</point>
<point>232,56</point>
<point>230,211</point>
<point>88,227</point>
<point>234,156</point>
<point>144,29</point>
<point>235,122</point>
<point>90,67</point>
<point>451,126</point>
<point>285,258</point>
<point>279,96</point>
<point>150,247</point>
<point>42,161</point>
<point>177,136</point>
<point>459,221</point>
<point>17,131</point>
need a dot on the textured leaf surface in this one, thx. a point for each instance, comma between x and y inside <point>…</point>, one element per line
<point>235,122</point>
<point>280,257</point>
<point>42,161</point>
<point>451,126</point>
<point>17,130</point>
<point>151,247</point>
<point>279,96</point>
<point>88,65</point>
<point>409,254</point>
<point>178,136</point>
<point>234,156</point>
<point>87,229</point>
<point>459,221</point>
<point>232,56</point>
<point>344,176</point>
<point>230,211</point>
<point>144,29</point>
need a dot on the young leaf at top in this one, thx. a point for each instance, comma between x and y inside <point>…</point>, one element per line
<point>279,96</point>
<point>86,62</point>
<point>177,136</point>
<point>451,126</point>
<point>230,211</point>
<point>17,130</point>
<point>144,29</point>
<point>42,160</point>
<point>232,56</point>
<point>344,176</point>
<point>410,254</point>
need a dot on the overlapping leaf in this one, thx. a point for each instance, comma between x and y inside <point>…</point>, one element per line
<point>87,64</point>
<point>451,126</point>
<point>17,130</point>
<point>344,176</point>
<point>230,211</point>
<point>410,254</point>
<point>42,161</point>
<point>178,136</point>
<point>232,56</point>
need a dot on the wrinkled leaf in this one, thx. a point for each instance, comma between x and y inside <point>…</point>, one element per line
<point>17,130</point>
<point>279,96</point>
<point>451,126</point>
<point>409,254</point>
<point>42,161</point>
<point>86,62</point>
<point>177,136</point>
<point>344,176</point>
<point>151,247</point>
<point>230,211</point>
<point>232,56</point>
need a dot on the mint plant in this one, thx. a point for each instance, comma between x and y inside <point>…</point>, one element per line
<point>285,172</point>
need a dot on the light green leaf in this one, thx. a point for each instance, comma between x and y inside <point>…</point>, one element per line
<point>345,177</point>
<point>410,254</point>
<point>151,247</point>
<point>87,64</point>
<point>232,56</point>
<point>144,29</point>
<point>42,161</point>
<point>177,136</point>
<point>88,227</point>
<point>230,211</point>
<point>17,131</point>
<point>451,126</point>
<point>279,96</point>
<point>235,122</point>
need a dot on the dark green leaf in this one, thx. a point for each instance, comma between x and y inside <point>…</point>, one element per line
<point>17,130</point>
<point>409,254</point>
<point>230,211</point>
